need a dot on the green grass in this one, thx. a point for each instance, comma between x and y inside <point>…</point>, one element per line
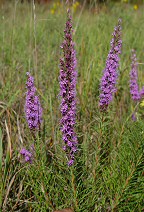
<point>108,172</point>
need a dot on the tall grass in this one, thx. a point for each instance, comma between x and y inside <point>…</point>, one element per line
<point>108,172</point>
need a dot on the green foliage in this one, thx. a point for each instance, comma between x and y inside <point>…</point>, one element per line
<point>108,172</point>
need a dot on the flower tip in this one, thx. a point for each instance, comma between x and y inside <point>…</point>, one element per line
<point>70,163</point>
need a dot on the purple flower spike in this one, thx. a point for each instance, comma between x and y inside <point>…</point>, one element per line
<point>33,108</point>
<point>134,88</point>
<point>67,80</point>
<point>110,73</point>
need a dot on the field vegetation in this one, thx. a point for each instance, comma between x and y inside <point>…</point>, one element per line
<point>108,172</point>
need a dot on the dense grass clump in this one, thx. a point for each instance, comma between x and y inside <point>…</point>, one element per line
<point>107,174</point>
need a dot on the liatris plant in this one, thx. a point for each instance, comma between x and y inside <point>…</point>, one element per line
<point>33,109</point>
<point>110,73</point>
<point>67,80</point>
<point>134,88</point>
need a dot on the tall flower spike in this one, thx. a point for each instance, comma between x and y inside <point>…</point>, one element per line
<point>134,88</point>
<point>67,80</point>
<point>110,73</point>
<point>33,108</point>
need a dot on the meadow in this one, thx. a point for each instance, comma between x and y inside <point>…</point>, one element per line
<point>108,172</point>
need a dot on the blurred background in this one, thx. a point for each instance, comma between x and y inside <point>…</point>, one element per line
<point>88,2</point>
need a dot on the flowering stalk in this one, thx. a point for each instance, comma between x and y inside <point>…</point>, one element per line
<point>33,108</point>
<point>110,73</point>
<point>67,80</point>
<point>33,112</point>
<point>134,88</point>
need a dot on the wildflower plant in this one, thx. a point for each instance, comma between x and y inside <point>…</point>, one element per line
<point>108,173</point>
<point>136,94</point>
<point>110,73</point>
<point>134,88</point>
<point>33,112</point>
<point>67,81</point>
<point>56,7</point>
<point>33,109</point>
<point>75,6</point>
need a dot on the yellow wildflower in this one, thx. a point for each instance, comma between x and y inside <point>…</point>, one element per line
<point>77,3</point>
<point>75,6</point>
<point>135,7</point>
<point>125,1</point>
<point>52,11</point>
<point>142,104</point>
